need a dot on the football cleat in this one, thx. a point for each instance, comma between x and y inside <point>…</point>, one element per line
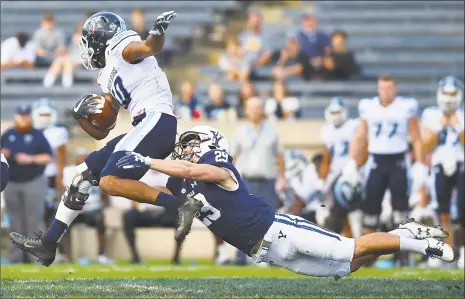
<point>186,215</point>
<point>35,247</point>
<point>422,231</point>
<point>440,250</point>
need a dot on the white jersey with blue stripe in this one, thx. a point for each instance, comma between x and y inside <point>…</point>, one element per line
<point>388,126</point>
<point>449,142</point>
<point>138,87</point>
<point>337,141</point>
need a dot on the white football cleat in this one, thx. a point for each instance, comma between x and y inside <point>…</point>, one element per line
<point>440,250</point>
<point>104,260</point>
<point>422,231</point>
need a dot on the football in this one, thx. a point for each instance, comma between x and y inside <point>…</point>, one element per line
<point>105,120</point>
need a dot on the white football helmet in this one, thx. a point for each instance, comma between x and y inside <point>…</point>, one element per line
<point>199,140</point>
<point>336,113</point>
<point>449,95</point>
<point>44,114</point>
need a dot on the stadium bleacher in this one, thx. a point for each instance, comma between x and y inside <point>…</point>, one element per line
<point>26,16</point>
<point>417,42</point>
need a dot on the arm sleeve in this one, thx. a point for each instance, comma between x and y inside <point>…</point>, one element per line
<point>363,108</point>
<point>62,136</point>
<point>413,107</point>
<point>278,146</point>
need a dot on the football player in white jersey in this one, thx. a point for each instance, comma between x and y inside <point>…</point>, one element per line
<point>44,117</point>
<point>444,136</point>
<point>129,77</point>
<point>336,135</point>
<point>304,187</point>
<point>387,122</point>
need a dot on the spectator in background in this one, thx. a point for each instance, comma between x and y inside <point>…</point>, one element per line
<point>187,105</point>
<point>66,64</point>
<point>27,152</point>
<point>258,155</point>
<point>92,214</point>
<point>292,62</point>
<point>313,42</point>
<point>138,23</point>
<point>253,42</point>
<point>49,42</point>
<point>232,62</point>
<point>218,108</point>
<point>18,52</point>
<point>339,64</point>
<point>246,91</point>
<point>281,105</point>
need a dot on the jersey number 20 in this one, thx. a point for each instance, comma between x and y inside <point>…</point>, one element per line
<point>208,213</point>
<point>120,92</point>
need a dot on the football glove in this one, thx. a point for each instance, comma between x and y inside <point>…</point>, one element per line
<point>134,160</point>
<point>88,105</point>
<point>350,173</point>
<point>162,23</point>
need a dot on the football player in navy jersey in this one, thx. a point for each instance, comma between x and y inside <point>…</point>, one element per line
<point>204,177</point>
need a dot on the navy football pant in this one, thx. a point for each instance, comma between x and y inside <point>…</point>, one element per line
<point>154,136</point>
<point>385,172</point>
<point>461,194</point>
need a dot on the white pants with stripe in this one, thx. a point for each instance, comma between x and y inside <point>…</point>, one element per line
<point>305,248</point>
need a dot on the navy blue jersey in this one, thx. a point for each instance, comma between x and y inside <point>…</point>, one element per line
<point>236,216</point>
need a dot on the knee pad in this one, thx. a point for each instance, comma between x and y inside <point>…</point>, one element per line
<point>370,221</point>
<point>78,192</point>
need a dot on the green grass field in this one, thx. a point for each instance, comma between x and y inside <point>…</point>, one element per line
<point>208,281</point>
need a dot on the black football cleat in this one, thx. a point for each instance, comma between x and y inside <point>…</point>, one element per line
<point>186,215</point>
<point>35,247</point>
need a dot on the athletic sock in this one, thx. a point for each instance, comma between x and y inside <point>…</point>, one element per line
<point>402,232</point>
<point>63,219</point>
<point>413,245</point>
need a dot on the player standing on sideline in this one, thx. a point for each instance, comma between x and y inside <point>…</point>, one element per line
<point>44,117</point>
<point>386,123</point>
<point>129,77</point>
<point>444,136</point>
<point>337,134</point>
<point>218,197</point>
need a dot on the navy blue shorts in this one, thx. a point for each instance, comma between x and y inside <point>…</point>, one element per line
<point>461,194</point>
<point>444,186</point>
<point>154,136</point>
<point>386,172</point>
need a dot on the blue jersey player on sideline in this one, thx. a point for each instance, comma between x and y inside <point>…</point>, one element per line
<point>204,177</point>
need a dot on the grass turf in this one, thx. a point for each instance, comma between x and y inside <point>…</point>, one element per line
<point>203,280</point>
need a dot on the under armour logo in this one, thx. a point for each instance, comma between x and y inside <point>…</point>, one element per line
<point>193,184</point>
<point>281,235</point>
<point>216,138</point>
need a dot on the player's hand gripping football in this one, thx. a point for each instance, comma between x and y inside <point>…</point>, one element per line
<point>162,23</point>
<point>88,105</point>
<point>134,160</point>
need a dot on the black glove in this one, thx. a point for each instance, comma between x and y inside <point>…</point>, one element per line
<point>162,23</point>
<point>89,104</point>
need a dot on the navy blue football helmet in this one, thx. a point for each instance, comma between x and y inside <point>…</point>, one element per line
<point>97,31</point>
